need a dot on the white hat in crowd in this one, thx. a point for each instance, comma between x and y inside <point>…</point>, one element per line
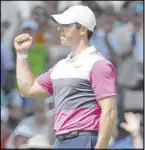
<point>4,114</point>
<point>78,13</point>
<point>38,141</point>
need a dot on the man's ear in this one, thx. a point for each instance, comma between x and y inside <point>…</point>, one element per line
<point>83,30</point>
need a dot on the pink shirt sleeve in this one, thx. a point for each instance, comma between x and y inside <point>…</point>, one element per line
<point>45,81</point>
<point>103,79</point>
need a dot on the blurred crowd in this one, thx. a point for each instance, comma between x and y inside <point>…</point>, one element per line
<point>28,122</point>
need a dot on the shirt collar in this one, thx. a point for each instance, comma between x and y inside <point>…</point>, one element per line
<point>86,52</point>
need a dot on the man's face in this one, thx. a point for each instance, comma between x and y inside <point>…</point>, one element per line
<point>40,16</point>
<point>20,140</point>
<point>69,35</point>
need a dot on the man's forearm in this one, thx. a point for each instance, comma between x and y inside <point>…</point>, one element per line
<point>106,126</point>
<point>25,77</point>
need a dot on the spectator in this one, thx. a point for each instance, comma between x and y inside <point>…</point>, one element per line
<point>131,41</point>
<point>42,140</point>
<point>20,136</point>
<point>124,16</point>
<point>39,14</point>
<point>128,75</point>
<point>47,33</point>
<point>5,132</point>
<point>10,11</point>
<point>15,108</point>
<point>7,61</point>
<point>138,71</point>
<point>104,40</point>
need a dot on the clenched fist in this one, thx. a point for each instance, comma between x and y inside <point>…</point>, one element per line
<point>22,43</point>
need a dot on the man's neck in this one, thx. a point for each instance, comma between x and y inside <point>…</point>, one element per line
<point>78,48</point>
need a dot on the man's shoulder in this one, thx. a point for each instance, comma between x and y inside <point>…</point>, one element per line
<point>96,56</point>
<point>96,60</point>
<point>101,62</point>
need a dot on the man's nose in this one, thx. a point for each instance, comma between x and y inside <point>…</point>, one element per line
<point>59,29</point>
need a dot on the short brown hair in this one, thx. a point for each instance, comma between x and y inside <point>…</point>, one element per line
<point>90,33</point>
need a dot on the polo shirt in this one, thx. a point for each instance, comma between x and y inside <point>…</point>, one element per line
<point>77,84</point>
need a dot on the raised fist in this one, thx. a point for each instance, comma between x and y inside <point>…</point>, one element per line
<point>22,43</point>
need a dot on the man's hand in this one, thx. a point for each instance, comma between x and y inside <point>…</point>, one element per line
<point>27,82</point>
<point>132,124</point>
<point>22,43</point>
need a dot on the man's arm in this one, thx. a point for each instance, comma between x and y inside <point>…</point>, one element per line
<point>107,121</point>
<point>26,80</point>
<point>103,82</point>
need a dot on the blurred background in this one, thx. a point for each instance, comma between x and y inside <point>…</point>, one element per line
<point>118,36</point>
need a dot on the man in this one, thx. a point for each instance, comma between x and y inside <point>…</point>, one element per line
<point>83,84</point>
<point>7,60</point>
<point>104,40</point>
<point>131,48</point>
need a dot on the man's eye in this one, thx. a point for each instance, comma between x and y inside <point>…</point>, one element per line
<point>65,25</point>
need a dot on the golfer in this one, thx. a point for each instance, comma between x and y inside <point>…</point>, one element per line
<point>83,84</point>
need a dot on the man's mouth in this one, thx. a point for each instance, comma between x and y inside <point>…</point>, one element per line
<point>62,35</point>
